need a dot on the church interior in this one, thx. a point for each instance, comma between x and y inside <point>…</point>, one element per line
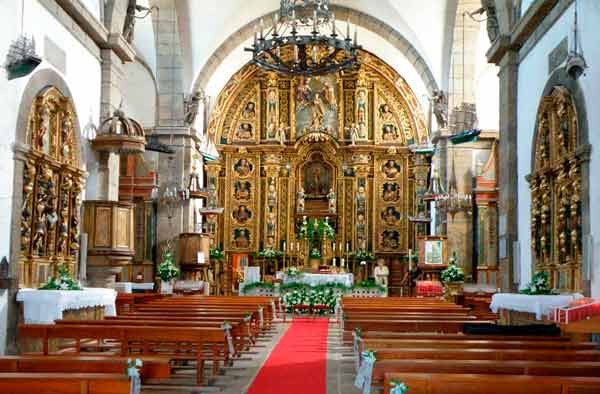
<point>325,196</point>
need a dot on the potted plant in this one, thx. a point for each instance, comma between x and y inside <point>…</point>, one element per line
<point>216,254</point>
<point>314,258</point>
<point>167,271</point>
<point>453,278</point>
<point>64,281</point>
<point>539,285</point>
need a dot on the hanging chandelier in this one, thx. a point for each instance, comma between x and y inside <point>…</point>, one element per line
<point>303,40</point>
<point>448,202</point>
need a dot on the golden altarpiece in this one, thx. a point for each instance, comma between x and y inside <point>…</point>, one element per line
<point>52,185</point>
<point>337,146</point>
<point>556,192</point>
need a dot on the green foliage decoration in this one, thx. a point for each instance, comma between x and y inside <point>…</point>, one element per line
<point>167,269</point>
<point>64,281</point>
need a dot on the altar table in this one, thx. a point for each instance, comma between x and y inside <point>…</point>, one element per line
<point>321,279</point>
<point>45,306</point>
<point>538,305</point>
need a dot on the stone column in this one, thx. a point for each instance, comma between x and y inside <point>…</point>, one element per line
<point>508,182</point>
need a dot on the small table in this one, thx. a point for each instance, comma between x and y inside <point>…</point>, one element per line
<point>527,309</point>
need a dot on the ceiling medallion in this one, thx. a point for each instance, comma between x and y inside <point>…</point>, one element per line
<point>296,43</point>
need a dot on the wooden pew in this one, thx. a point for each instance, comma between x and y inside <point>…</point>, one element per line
<point>438,383</point>
<point>176,343</point>
<point>153,367</point>
<point>64,383</point>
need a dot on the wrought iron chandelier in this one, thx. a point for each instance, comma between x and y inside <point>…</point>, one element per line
<point>448,202</point>
<point>303,40</point>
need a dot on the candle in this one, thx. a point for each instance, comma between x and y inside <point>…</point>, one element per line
<point>315,21</point>
<point>334,247</point>
<point>343,263</point>
<point>333,24</point>
<point>296,57</point>
<point>355,36</point>
<point>410,259</point>
<point>347,246</point>
<point>284,245</point>
<point>348,30</point>
<point>333,263</point>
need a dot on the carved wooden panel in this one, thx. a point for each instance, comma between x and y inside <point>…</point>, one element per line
<point>52,184</point>
<point>556,222</point>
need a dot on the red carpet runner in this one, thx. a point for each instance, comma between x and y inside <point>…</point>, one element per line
<point>298,363</point>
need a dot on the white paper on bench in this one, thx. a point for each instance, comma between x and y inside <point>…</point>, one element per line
<point>46,306</point>
<point>540,305</point>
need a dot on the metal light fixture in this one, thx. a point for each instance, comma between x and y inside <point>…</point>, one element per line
<point>296,45</point>
<point>576,63</point>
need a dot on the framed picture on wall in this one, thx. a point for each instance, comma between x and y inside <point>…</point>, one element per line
<point>433,251</point>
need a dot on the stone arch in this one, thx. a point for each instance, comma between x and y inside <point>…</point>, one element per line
<point>560,83</point>
<point>358,18</point>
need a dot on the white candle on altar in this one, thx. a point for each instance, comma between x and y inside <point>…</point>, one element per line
<point>343,264</point>
<point>333,262</point>
<point>334,247</point>
<point>410,259</point>
<point>284,245</point>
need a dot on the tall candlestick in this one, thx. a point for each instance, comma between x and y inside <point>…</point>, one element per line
<point>332,24</point>
<point>315,21</point>
<point>348,29</point>
<point>296,53</point>
<point>410,259</point>
<point>355,36</point>
<point>262,26</point>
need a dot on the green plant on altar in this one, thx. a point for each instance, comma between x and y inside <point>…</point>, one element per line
<point>368,284</point>
<point>314,254</point>
<point>167,270</point>
<point>293,272</point>
<point>539,285</point>
<point>453,273</point>
<point>216,254</point>
<point>363,255</point>
<point>269,254</point>
<point>315,230</point>
<point>257,285</point>
<point>398,387</point>
<point>64,281</point>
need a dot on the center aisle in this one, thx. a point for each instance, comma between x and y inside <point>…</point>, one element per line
<point>298,364</point>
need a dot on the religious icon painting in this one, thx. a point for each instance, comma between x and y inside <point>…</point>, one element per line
<point>241,238</point>
<point>244,132</point>
<point>243,168</point>
<point>390,216</point>
<point>391,169</point>
<point>385,113</point>
<point>249,111</point>
<point>390,240</point>
<point>390,192</point>
<point>389,133</point>
<point>242,214</point>
<point>242,190</point>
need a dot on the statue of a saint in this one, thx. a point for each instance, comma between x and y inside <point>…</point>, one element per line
<point>300,200</point>
<point>361,200</point>
<point>271,195</point>
<point>281,133</point>
<point>332,201</point>
<point>381,273</point>
<point>212,195</point>
<point>440,108</point>
<point>354,133</point>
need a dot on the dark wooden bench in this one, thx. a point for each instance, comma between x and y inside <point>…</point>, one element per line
<point>64,383</point>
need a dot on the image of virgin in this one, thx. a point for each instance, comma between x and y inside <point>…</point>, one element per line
<point>317,179</point>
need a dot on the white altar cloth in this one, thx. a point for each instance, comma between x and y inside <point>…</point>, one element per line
<point>321,279</point>
<point>129,287</point>
<point>540,305</point>
<point>45,306</point>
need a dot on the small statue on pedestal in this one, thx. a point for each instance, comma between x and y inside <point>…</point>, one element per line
<point>300,200</point>
<point>361,200</point>
<point>332,201</point>
<point>381,273</point>
<point>272,195</point>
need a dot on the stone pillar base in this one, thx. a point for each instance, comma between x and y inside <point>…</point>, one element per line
<point>102,276</point>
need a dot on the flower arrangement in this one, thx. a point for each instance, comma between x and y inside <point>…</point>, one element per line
<point>368,284</point>
<point>133,367</point>
<point>293,272</point>
<point>398,387</point>
<point>167,270</point>
<point>216,254</point>
<point>453,273</point>
<point>269,253</point>
<point>314,254</point>
<point>363,255</point>
<point>257,285</point>
<point>303,294</point>
<point>64,282</point>
<point>539,285</point>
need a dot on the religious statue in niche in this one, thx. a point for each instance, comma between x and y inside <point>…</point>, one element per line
<point>391,169</point>
<point>244,132</point>
<point>281,133</point>
<point>241,190</point>
<point>249,111</point>
<point>361,200</point>
<point>390,239</point>
<point>316,105</point>
<point>361,226</point>
<point>317,179</point>
<point>440,108</point>
<point>43,132</point>
<point>391,192</point>
<point>332,201</point>
<point>212,195</point>
<point>272,106</point>
<point>385,113</point>
<point>271,195</point>
<point>361,113</point>
<point>271,223</point>
<point>195,182</point>
<point>389,132</point>
<point>544,132</point>
<point>300,196</point>
<point>67,137</point>
<point>242,214</point>
<point>353,132</point>
<point>241,238</point>
<point>243,167</point>
<point>390,216</point>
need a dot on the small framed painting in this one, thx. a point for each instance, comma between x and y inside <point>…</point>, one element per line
<point>433,250</point>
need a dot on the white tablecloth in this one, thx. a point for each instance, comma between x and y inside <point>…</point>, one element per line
<point>320,279</point>
<point>45,306</point>
<point>540,305</point>
<point>189,285</point>
<point>129,287</point>
<point>251,275</point>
